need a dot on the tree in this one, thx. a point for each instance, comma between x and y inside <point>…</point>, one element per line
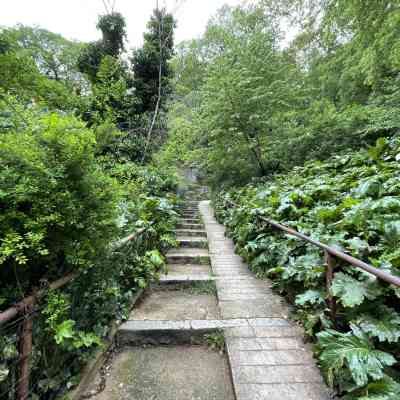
<point>39,66</point>
<point>54,56</point>
<point>112,27</point>
<point>152,59</point>
<point>110,100</point>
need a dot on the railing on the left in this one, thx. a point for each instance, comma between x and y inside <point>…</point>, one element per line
<point>17,322</point>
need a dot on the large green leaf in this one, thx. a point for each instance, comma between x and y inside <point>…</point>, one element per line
<point>64,331</point>
<point>310,297</point>
<point>354,351</point>
<point>351,291</point>
<point>384,324</point>
<point>383,389</point>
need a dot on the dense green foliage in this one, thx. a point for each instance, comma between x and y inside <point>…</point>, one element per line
<point>70,191</point>
<point>351,202</point>
<point>304,128</point>
<point>131,94</point>
<point>152,59</point>
<point>254,103</point>
<point>58,206</point>
<point>112,27</point>
<point>40,66</point>
<point>65,206</point>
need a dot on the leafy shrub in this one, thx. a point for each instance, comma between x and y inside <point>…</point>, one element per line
<point>350,202</point>
<point>59,209</point>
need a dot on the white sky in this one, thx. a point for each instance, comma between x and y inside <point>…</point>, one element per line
<point>76,19</point>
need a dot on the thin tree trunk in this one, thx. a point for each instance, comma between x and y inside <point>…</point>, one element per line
<point>150,131</point>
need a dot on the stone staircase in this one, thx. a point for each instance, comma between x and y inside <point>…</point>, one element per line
<point>267,358</point>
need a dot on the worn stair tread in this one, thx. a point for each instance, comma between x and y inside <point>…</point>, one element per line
<point>188,269</point>
<point>191,232</point>
<point>184,225</point>
<point>201,241</point>
<point>191,252</point>
<point>194,221</point>
<point>175,278</point>
<point>194,239</point>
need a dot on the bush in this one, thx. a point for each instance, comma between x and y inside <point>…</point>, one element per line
<point>58,208</point>
<point>63,208</point>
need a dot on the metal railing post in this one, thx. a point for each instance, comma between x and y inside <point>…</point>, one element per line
<point>330,271</point>
<point>25,350</point>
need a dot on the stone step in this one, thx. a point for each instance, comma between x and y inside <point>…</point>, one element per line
<point>137,333</point>
<point>192,226</point>
<point>188,256</point>
<point>189,269</point>
<point>189,212</point>
<point>190,216</point>
<point>191,202</point>
<point>189,207</point>
<point>196,198</point>
<point>174,279</point>
<point>190,220</point>
<point>192,241</point>
<point>191,232</point>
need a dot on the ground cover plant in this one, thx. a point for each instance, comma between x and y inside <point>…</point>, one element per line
<point>351,202</point>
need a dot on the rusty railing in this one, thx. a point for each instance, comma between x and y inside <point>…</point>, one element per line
<point>331,255</point>
<point>24,310</point>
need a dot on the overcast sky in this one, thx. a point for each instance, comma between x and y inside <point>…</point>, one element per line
<point>76,19</point>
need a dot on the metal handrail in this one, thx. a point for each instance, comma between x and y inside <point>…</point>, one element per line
<point>14,310</point>
<point>25,307</point>
<point>383,275</point>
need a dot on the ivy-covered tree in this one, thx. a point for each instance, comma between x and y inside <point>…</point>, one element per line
<point>152,60</point>
<point>112,27</point>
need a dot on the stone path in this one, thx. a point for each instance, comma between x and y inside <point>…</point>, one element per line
<point>267,356</point>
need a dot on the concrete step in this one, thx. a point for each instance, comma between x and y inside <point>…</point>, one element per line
<point>188,256</point>
<point>176,279</point>
<point>192,242</point>
<point>189,208</point>
<point>137,333</point>
<point>189,212</point>
<point>191,203</point>
<point>189,269</point>
<point>185,225</point>
<point>190,220</point>
<point>190,216</point>
<point>177,372</point>
<point>190,232</point>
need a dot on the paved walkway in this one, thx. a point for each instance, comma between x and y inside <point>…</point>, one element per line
<point>268,357</point>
